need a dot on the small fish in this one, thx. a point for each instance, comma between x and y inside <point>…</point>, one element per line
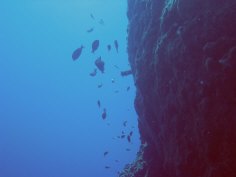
<point>91,15</point>
<point>95,45</point>
<point>107,167</point>
<point>127,149</point>
<point>112,80</point>
<point>93,73</point>
<point>101,22</point>
<point>116,66</point>
<point>104,114</point>
<point>100,64</point>
<point>100,85</point>
<point>126,73</point>
<point>109,47</point>
<point>128,138</point>
<point>90,30</point>
<point>105,153</point>
<point>118,136</point>
<point>128,88</point>
<point>99,103</point>
<point>116,45</point>
<point>76,54</point>
<point>131,133</point>
<point>122,136</point>
<point>125,123</point>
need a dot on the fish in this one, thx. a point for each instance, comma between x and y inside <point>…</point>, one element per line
<point>116,45</point>
<point>76,54</point>
<point>99,103</point>
<point>91,15</point>
<point>116,66</point>
<point>128,88</point>
<point>122,136</point>
<point>127,149</point>
<point>109,47</point>
<point>126,73</point>
<point>95,45</point>
<point>105,153</point>
<point>131,133</point>
<point>128,138</point>
<point>93,73</point>
<point>125,123</point>
<point>101,22</point>
<point>107,167</point>
<point>112,80</point>
<point>100,85</point>
<point>90,30</point>
<point>104,114</point>
<point>100,64</point>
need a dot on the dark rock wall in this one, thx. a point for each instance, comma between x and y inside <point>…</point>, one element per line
<point>183,56</point>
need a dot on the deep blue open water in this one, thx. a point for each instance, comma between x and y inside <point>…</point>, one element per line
<point>50,123</point>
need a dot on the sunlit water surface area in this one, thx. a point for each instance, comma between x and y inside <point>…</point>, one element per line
<point>50,121</point>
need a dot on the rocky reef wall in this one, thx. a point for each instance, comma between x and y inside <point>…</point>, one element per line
<point>183,56</point>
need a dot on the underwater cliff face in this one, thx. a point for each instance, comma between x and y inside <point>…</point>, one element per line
<point>183,56</point>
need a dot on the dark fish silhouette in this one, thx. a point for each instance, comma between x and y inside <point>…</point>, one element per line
<point>100,64</point>
<point>128,138</point>
<point>99,103</point>
<point>107,167</point>
<point>101,22</point>
<point>90,30</point>
<point>109,47</point>
<point>95,45</point>
<point>128,88</point>
<point>91,15</point>
<point>93,73</point>
<point>122,136</point>
<point>127,149</point>
<point>131,133</point>
<point>104,114</point>
<point>76,54</point>
<point>100,85</point>
<point>116,45</point>
<point>126,73</point>
<point>105,153</point>
<point>124,123</point>
<point>116,66</point>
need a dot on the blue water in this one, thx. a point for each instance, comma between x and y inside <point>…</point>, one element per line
<point>50,124</point>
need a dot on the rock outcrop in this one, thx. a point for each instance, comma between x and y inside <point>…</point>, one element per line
<point>183,58</point>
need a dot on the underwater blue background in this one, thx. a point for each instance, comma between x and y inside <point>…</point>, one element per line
<point>50,124</point>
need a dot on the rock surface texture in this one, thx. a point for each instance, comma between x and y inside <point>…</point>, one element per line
<point>183,57</point>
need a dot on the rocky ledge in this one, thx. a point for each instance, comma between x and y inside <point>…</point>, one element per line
<point>183,57</point>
